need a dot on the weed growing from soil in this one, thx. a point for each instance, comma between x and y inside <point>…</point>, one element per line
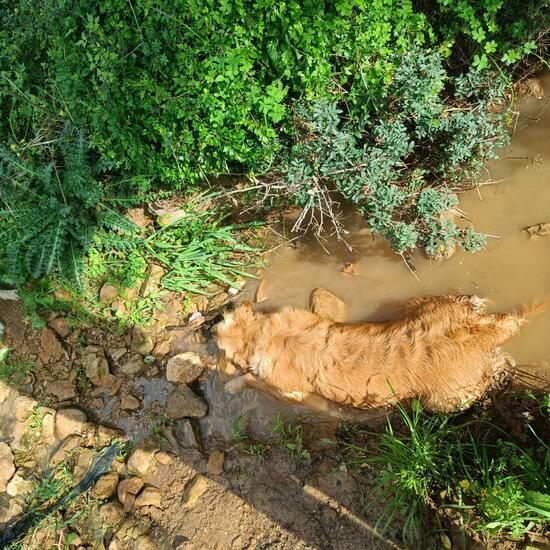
<point>14,372</point>
<point>82,381</point>
<point>290,436</point>
<point>411,465</point>
<point>51,486</point>
<point>50,213</point>
<point>198,250</point>
<point>238,429</point>
<point>244,442</point>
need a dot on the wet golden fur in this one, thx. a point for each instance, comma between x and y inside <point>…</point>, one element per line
<point>443,351</point>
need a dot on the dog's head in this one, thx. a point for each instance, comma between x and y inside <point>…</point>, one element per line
<point>235,333</point>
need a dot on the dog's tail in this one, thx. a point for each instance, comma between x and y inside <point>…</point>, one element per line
<point>527,311</point>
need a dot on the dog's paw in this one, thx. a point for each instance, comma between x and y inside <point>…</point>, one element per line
<point>235,385</point>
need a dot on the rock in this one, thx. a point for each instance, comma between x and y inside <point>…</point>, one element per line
<point>170,216</point>
<point>185,435</point>
<point>129,403</point>
<point>349,269</point>
<point>6,392</point>
<point>131,529</point>
<point>23,407</point>
<point>51,349</point>
<point>111,513</point>
<point>138,217</point>
<point>7,467</point>
<point>162,457</point>
<point>105,487</point>
<point>62,389</point>
<point>108,294</point>
<point>162,348</point>
<point>444,252</point>
<point>538,230</point>
<point>127,490</point>
<point>8,513</point>
<point>194,490</point>
<point>261,292</point>
<point>142,342</point>
<point>327,305</point>
<point>19,486</point>
<point>62,295</point>
<point>105,435</point>
<point>134,365</point>
<point>9,294</point>
<point>142,457</point>
<point>181,436</point>
<point>69,422</point>
<point>198,303</point>
<point>68,447</point>
<point>184,368</point>
<point>20,436</point>
<point>119,466</point>
<point>185,403</point>
<point>61,326</point>
<point>152,283</point>
<point>47,429</point>
<point>117,353</point>
<point>215,463</point>
<point>144,542</point>
<point>96,366</point>
<point>82,463</point>
<point>116,544</point>
<point>150,496</point>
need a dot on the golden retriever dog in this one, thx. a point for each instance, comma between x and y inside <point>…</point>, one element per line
<point>442,350</point>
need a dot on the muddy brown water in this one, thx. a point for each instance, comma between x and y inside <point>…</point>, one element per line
<point>513,269</point>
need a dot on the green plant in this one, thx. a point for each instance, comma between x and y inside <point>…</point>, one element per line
<point>50,487</point>
<point>495,30</point>
<point>413,464</point>
<point>177,90</point>
<point>50,213</point>
<point>82,381</point>
<point>239,435</point>
<point>461,463</point>
<point>258,449</point>
<point>197,250</point>
<point>510,485</point>
<point>402,169</point>
<point>14,372</point>
<point>238,429</point>
<point>290,436</point>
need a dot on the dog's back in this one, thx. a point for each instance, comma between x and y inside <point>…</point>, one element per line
<point>443,350</point>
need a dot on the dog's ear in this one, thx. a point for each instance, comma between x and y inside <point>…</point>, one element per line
<point>246,305</point>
